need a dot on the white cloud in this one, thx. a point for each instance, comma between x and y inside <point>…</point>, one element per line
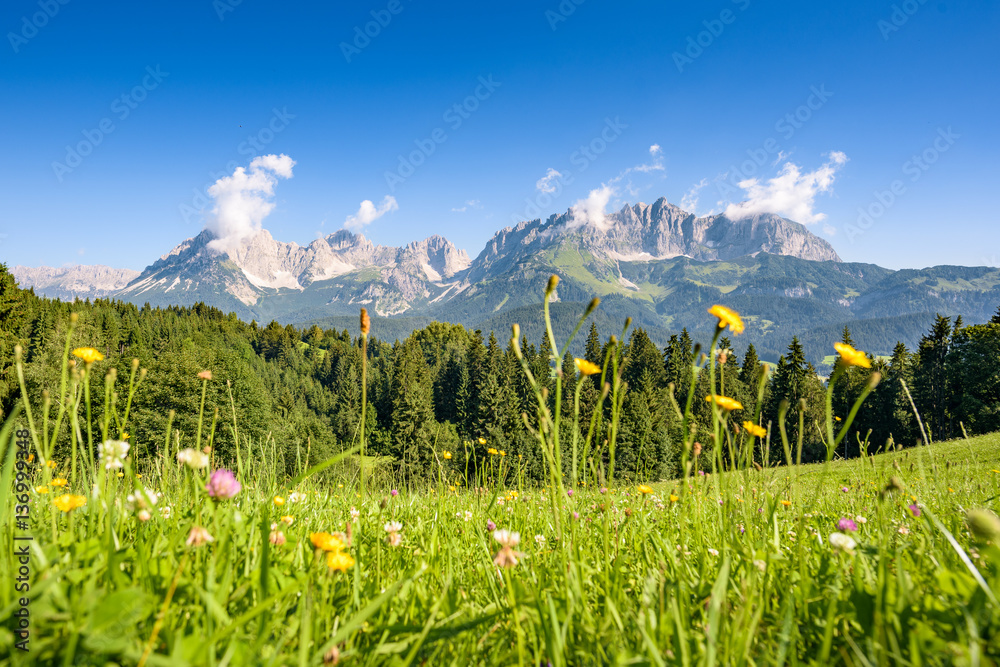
<point>790,194</point>
<point>368,212</point>
<point>656,165</point>
<point>243,200</point>
<point>472,203</point>
<point>591,211</point>
<point>689,202</point>
<point>544,183</point>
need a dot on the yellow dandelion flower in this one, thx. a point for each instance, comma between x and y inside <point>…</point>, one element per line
<point>88,354</point>
<point>728,318</point>
<point>446,455</point>
<point>482,441</point>
<point>59,481</point>
<point>786,503</point>
<point>754,429</point>
<point>287,519</point>
<point>69,502</point>
<point>851,357</point>
<point>645,490</point>
<point>41,489</point>
<point>451,488</point>
<point>726,403</point>
<point>502,453</point>
<point>338,560</point>
<point>491,451</point>
<point>326,542</point>
<point>279,501</point>
<point>586,367</point>
<point>50,464</point>
<point>674,498</point>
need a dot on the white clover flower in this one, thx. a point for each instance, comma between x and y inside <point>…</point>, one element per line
<point>113,453</point>
<point>295,497</point>
<point>540,539</point>
<point>355,513</point>
<point>860,519</point>
<point>143,499</point>
<point>192,458</point>
<point>393,527</point>
<point>842,542</point>
<point>714,552</point>
<point>507,538</point>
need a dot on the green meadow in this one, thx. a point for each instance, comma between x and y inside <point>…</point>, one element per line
<point>183,559</point>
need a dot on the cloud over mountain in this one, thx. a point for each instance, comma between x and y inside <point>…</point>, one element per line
<point>243,200</point>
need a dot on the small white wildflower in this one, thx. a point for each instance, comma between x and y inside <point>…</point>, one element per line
<point>860,519</point>
<point>113,453</point>
<point>507,538</point>
<point>355,513</point>
<point>295,497</point>
<point>393,527</point>
<point>842,542</point>
<point>714,552</point>
<point>539,539</point>
<point>192,458</point>
<point>761,565</point>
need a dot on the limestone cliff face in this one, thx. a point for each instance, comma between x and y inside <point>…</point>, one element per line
<point>646,232</point>
<point>70,282</point>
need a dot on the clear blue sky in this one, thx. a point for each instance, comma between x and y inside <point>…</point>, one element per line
<point>891,86</point>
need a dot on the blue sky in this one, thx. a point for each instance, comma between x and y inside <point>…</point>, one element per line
<point>826,105</point>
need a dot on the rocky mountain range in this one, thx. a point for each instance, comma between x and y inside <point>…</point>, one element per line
<point>654,262</point>
<point>68,283</point>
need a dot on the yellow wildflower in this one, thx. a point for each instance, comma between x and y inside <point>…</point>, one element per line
<point>851,357</point>
<point>50,464</point>
<point>645,490</point>
<point>446,455</point>
<point>586,367</point>
<point>674,498</point>
<point>41,489</point>
<point>69,502</point>
<point>502,453</point>
<point>326,542</point>
<point>482,441</point>
<point>491,451</point>
<point>786,503</point>
<point>728,318</point>
<point>88,354</point>
<point>726,403</point>
<point>754,429</point>
<point>278,500</point>
<point>339,560</point>
<point>287,520</point>
<point>59,481</point>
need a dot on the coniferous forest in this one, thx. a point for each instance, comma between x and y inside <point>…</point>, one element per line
<point>445,388</point>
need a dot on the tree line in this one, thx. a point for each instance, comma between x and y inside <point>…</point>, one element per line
<point>445,388</point>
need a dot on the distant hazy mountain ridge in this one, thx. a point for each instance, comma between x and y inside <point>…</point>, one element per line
<point>67,283</point>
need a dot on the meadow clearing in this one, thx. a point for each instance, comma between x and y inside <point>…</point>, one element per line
<point>184,560</point>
